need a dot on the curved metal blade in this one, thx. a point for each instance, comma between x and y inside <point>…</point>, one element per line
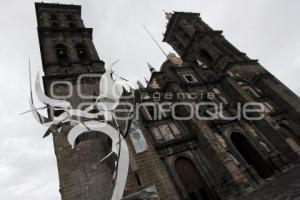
<point>45,99</point>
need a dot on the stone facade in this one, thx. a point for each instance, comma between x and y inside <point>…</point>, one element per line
<point>186,159</point>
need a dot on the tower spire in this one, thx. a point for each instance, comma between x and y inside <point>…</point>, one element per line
<point>146,81</point>
<point>151,69</point>
<point>168,15</point>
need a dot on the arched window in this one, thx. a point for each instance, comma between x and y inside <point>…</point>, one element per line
<point>251,155</point>
<point>189,78</point>
<point>70,17</point>
<point>55,25</point>
<point>205,57</point>
<point>61,52</point>
<point>53,16</point>
<point>72,25</point>
<point>81,51</point>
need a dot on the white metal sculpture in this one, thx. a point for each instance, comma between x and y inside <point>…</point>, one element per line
<point>110,91</point>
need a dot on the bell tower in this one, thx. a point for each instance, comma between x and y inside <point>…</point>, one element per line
<point>68,53</point>
<point>194,41</point>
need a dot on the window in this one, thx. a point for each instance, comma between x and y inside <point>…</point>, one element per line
<point>61,52</point>
<point>53,16</point>
<point>72,25</point>
<point>55,24</point>
<point>174,128</point>
<point>190,78</point>
<point>81,51</point>
<point>70,17</point>
<point>155,131</point>
<point>167,131</point>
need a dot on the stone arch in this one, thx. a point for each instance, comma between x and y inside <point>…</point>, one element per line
<point>251,155</point>
<point>229,130</point>
<point>206,57</point>
<point>191,179</point>
<point>91,135</point>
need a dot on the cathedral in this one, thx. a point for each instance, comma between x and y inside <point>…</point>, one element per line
<point>176,155</point>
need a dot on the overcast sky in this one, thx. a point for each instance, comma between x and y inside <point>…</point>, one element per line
<point>264,29</point>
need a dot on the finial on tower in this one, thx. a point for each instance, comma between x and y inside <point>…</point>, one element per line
<point>174,59</point>
<point>168,14</point>
<point>146,81</point>
<point>201,64</point>
<point>140,84</point>
<point>151,68</point>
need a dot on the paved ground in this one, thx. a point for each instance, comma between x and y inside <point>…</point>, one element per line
<point>284,187</point>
